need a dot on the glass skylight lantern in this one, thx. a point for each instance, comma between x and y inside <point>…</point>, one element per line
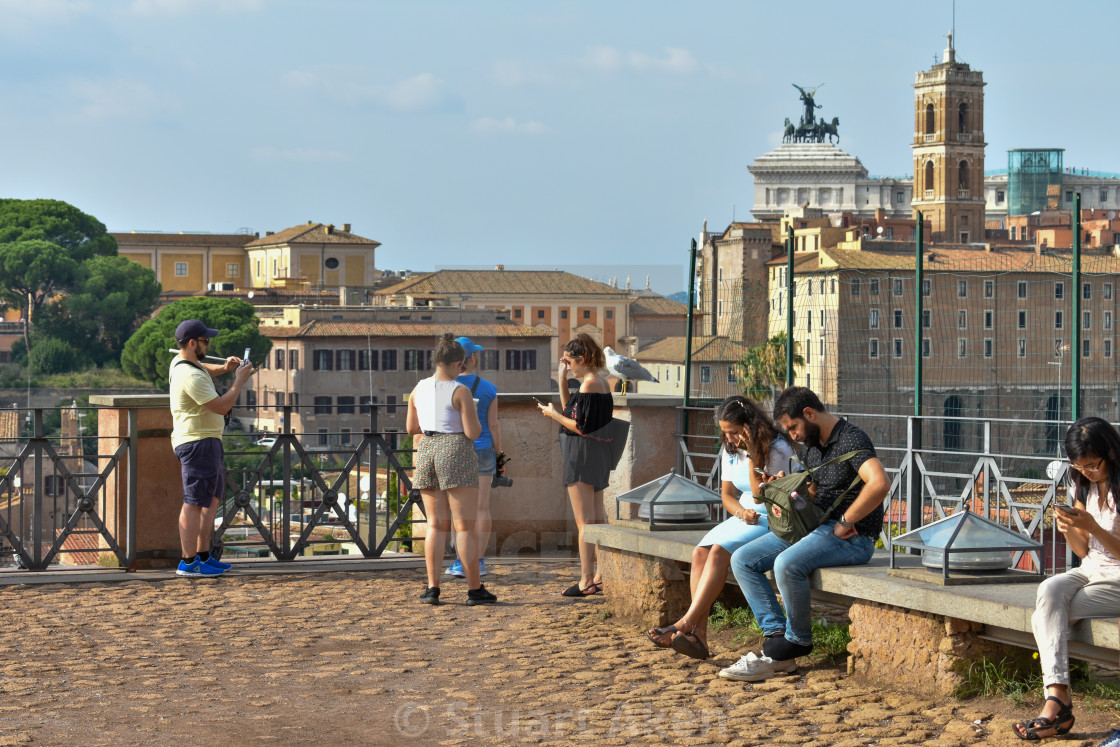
<point>670,499</point>
<point>965,541</point>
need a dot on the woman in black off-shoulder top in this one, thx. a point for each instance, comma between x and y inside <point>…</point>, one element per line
<point>585,448</point>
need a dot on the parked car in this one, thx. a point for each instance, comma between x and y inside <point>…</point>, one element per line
<point>267,443</point>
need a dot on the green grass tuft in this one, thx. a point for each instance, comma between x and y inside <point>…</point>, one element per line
<point>830,640</point>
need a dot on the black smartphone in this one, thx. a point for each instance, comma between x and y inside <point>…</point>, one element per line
<point>539,402</point>
<point>1070,510</point>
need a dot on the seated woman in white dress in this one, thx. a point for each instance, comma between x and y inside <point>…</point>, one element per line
<point>751,442</point>
<point>1092,531</point>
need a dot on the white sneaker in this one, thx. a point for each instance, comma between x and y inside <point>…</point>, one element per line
<point>755,668</point>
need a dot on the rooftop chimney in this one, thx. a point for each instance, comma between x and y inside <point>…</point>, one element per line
<point>499,268</point>
<point>346,228</point>
<point>329,228</point>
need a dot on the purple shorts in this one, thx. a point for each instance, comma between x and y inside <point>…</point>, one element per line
<point>204,473</point>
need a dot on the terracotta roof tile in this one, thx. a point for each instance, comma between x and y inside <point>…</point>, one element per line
<point>704,350</point>
<point>658,306</point>
<point>503,282</point>
<point>950,259</point>
<point>321,329</point>
<point>314,233</point>
<point>128,240</point>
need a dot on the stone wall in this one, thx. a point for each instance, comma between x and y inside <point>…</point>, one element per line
<point>534,516</point>
<point>913,650</point>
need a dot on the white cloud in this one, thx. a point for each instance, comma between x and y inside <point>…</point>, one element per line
<point>185,7</point>
<point>300,155</point>
<point>513,73</point>
<point>119,99</point>
<point>608,59</point>
<point>20,15</point>
<point>490,126</point>
<point>422,92</point>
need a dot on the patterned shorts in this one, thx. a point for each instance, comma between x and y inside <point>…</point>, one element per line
<point>444,461</point>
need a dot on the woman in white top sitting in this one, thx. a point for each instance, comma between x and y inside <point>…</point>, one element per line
<point>749,439</point>
<point>1092,531</point>
<point>443,421</point>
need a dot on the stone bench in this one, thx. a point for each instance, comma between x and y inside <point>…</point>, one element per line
<point>904,630</point>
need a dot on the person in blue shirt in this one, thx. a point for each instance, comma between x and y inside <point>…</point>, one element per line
<point>751,445</point>
<point>488,446</point>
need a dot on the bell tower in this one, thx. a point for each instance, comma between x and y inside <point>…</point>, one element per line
<point>949,149</point>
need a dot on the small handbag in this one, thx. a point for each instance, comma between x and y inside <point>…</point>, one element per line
<point>792,514</point>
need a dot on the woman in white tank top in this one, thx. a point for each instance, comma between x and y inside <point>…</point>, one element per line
<point>443,422</point>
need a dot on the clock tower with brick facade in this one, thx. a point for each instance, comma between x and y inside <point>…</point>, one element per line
<point>949,150</point>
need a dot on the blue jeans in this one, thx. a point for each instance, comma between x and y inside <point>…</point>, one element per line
<point>792,565</point>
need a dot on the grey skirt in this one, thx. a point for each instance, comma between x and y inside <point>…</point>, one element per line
<point>585,460</point>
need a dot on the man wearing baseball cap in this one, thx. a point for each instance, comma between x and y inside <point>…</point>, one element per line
<point>199,416</point>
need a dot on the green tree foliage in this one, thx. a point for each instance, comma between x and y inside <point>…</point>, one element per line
<point>146,354</point>
<point>762,371</point>
<point>52,356</point>
<point>113,298</point>
<point>42,246</point>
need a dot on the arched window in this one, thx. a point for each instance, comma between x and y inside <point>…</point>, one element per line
<point>928,180</point>
<point>929,119</point>
<point>962,175</point>
<point>951,427</point>
<point>962,117</point>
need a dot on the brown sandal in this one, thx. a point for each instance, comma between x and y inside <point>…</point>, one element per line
<point>654,633</point>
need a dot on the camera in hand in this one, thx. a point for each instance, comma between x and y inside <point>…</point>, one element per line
<point>498,480</point>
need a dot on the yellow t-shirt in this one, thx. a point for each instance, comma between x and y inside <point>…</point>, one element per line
<point>190,390</point>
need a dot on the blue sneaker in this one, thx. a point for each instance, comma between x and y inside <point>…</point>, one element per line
<point>456,570</point>
<point>482,568</point>
<point>197,569</point>
<point>215,563</point>
<point>1113,739</point>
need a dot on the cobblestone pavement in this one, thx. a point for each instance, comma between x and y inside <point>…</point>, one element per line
<point>353,658</point>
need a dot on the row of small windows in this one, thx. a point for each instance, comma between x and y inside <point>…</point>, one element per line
<point>706,375</point>
<point>988,347</point>
<point>323,404</point>
<point>387,360</point>
<point>989,288</point>
<point>989,319</point>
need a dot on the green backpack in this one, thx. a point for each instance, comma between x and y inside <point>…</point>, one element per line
<point>792,513</point>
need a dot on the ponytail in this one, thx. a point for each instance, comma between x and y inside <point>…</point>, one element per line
<point>448,350</point>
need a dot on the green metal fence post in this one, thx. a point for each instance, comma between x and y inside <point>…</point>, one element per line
<point>790,287</point>
<point>914,487</point>
<point>919,271</point>
<point>688,324</point>
<point>1075,384</point>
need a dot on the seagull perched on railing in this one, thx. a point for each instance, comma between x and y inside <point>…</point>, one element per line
<point>626,369</point>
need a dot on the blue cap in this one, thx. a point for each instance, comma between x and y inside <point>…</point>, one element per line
<point>469,348</point>
<point>192,329</point>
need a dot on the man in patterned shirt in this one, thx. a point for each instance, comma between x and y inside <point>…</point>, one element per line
<point>847,537</point>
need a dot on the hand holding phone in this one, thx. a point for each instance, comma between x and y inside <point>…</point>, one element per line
<point>245,357</point>
<point>1067,510</point>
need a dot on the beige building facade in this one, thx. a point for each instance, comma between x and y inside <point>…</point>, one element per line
<point>332,364</point>
<point>559,304</point>
<point>997,337</point>
<point>310,257</point>
<point>189,263</point>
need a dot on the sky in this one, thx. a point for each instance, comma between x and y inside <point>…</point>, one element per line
<point>595,134</point>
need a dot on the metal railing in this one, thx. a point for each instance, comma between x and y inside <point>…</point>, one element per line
<point>72,499</point>
<point>311,498</point>
<point>1012,489</point>
<point>54,500</point>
